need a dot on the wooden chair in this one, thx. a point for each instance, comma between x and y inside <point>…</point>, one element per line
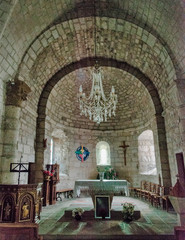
<point>133,191</point>
<point>140,190</point>
<point>147,191</point>
<point>156,196</point>
<point>152,193</point>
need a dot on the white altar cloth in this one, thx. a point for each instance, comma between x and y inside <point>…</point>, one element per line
<point>101,187</point>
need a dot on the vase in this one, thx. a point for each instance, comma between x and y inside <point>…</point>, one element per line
<point>46,177</point>
<point>101,175</point>
<point>78,217</point>
<point>127,218</point>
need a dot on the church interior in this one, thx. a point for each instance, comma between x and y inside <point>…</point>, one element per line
<point>92,110</point>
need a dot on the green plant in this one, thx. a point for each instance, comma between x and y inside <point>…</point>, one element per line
<point>78,211</point>
<point>109,172</point>
<point>128,211</point>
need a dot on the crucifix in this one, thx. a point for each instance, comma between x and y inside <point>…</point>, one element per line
<point>19,167</point>
<point>124,146</point>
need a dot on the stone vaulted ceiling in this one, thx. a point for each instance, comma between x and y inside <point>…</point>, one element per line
<point>40,38</point>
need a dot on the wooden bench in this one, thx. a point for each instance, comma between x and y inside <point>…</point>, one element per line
<point>65,192</point>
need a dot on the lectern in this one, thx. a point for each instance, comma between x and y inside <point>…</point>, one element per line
<point>49,185</point>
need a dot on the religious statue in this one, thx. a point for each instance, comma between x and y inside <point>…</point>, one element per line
<point>7,212</point>
<point>25,211</point>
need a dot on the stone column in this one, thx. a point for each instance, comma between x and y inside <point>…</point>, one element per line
<point>16,93</point>
<point>39,150</point>
<point>165,168</point>
<point>181,94</point>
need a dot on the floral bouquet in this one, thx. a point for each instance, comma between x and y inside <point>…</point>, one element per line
<point>109,172</point>
<point>77,211</point>
<point>128,211</point>
<point>48,173</point>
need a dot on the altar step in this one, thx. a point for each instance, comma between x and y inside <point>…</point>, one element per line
<point>153,224</point>
<point>89,215</point>
<point>109,237</point>
<point>90,228</point>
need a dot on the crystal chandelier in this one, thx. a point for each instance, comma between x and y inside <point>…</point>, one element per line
<point>97,106</point>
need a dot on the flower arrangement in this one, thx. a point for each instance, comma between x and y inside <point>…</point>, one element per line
<point>128,211</point>
<point>109,172</point>
<point>48,173</point>
<point>78,211</point>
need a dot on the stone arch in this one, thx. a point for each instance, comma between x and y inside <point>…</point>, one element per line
<point>80,12</point>
<point>86,62</point>
<point>162,62</point>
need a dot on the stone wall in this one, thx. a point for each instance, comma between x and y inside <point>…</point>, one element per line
<point>141,35</point>
<point>88,169</point>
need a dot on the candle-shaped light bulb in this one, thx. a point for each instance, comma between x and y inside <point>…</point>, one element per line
<point>80,89</point>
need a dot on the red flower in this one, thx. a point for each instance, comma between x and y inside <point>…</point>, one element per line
<point>48,173</point>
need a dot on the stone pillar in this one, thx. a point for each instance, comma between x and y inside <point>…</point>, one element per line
<point>165,168</point>
<point>181,94</point>
<point>16,93</point>
<point>39,150</point>
<point>180,83</point>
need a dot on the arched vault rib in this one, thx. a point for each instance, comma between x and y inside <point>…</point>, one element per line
<point>87,62</point>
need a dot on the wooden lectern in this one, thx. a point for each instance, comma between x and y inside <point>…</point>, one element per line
<point>49,185</point>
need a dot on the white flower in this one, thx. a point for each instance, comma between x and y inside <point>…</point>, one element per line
<point>78,211</point>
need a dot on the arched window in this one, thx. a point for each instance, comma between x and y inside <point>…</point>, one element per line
<point>146,153</point>
<point>51,151</point>
<point>103,153</point>
<point>59,151</point>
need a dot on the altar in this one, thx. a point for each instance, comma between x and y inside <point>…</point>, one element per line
<point>101,187</point>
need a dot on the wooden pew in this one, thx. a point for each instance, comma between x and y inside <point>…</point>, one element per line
<point>68,192</point>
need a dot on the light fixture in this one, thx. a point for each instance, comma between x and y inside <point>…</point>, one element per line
<point>97,106</point>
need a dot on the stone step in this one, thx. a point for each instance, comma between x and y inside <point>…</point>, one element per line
<point>89,215</point>
<point>108,237</point>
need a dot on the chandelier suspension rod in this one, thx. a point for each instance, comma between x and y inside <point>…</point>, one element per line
<point>95,28</point>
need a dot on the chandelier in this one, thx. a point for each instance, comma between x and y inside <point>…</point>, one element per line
<point>97,106</point>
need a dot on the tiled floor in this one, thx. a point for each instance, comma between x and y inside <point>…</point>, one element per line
<point>153,224</point>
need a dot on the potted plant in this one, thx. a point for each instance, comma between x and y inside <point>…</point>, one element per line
<point>77,213</point>
<point>128,211</point>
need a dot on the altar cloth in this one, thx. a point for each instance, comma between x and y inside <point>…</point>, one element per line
<point>101,187</point>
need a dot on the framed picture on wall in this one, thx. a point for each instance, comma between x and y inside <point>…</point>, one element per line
<point>102,206</point>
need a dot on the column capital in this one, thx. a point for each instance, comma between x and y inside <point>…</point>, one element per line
<point>16,92</point>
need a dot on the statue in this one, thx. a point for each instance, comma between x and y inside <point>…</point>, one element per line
<point>7,212</point>
<point>25,211</point>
